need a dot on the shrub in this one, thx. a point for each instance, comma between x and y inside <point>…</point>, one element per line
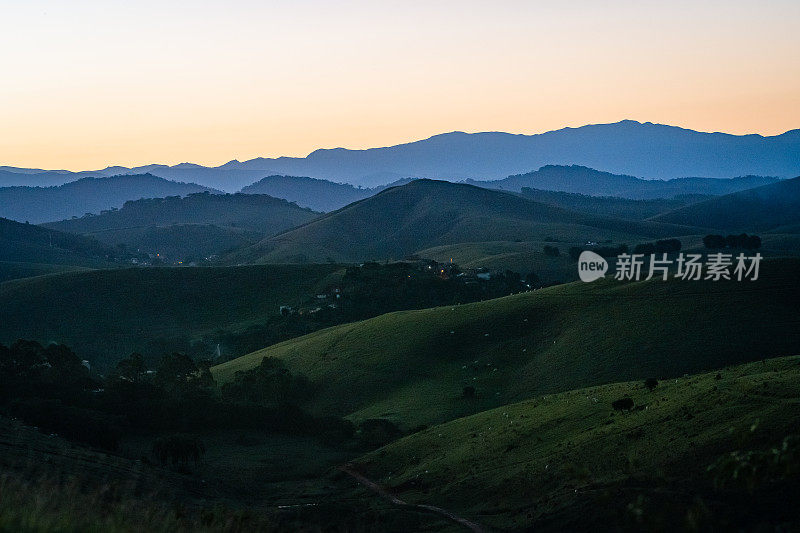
<point>651,383</point>
<point>178,449</point>
<point>623,404</point>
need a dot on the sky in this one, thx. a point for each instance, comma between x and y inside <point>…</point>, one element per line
<point>87,84</point>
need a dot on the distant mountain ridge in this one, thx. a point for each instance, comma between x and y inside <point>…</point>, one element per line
<point>583,180</point>
<point>314,193</point>
<point>627,147</point>
<point>86,195</point>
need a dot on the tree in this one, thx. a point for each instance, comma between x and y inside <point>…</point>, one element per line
<point>551,251</point>
<point>469,392</point>
<point>132,367</point>
<point>178,450</point>
<point>623,404</point>
<point>174,370</point>
<point>714,241</point>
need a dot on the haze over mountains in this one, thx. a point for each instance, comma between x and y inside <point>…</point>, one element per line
<point>628,147</point>
<point>87,195</point>
<point>582,180</point>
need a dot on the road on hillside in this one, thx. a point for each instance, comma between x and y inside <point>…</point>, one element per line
<point>374,487</point>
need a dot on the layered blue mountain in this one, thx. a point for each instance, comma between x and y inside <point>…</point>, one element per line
<point>628,147</point>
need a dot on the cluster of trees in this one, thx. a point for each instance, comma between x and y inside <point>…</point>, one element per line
<point>49,387</point>
<point>604,251</point>
<point>661,246</point>
<point>551,251</point>
<point>748,242</point>
<point>366,291</point>
<point>667,246</point>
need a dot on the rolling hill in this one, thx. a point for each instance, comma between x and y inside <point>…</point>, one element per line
<point>411,366</point>
<point>317,194</point>
<point>627,147</point>
<point>612,206</point>
<point>766,208</point>
<point>86,195</point>
<point>402,220</point>
<point>191,227</point>
<point>582,180</point>
<point>104,315</point>
<point>568,462</point>
<point>27,243</point>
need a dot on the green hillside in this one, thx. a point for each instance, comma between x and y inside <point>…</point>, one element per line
<point>412,366</point>
<point>28,243</point>
<point>13,270</point>
<point>425,213</point>
<point>106,314</point>
<point>192,227</point>
<point>760,209</point>
<point>612,206</point>
<point>568,462</point>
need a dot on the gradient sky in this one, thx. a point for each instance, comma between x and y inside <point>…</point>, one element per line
<point>86,84</point>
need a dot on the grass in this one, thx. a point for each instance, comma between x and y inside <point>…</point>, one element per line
<point>412,366</point>
<point>253,482</point>
<point>106,314</point>
<point>567,460</point>
<point>13,270</point>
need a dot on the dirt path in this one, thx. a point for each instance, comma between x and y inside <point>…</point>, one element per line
<point>374,487</point>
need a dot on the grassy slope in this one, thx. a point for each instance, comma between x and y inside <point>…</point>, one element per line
<point>425,213</point>
<point>109,313</point>
<point>612,206</point>
<point>411,366</point>
<point>12,270</point>
<point>28,243</point>
<point>549,460</point>
<point>753,210</point>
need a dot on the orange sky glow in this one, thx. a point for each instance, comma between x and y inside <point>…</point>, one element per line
<point>90,84</point>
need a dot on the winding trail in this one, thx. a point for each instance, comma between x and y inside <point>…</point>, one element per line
<point>374,487</point>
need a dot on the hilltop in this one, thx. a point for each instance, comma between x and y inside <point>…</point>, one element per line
<point>411,366</point>
<point>86,195</point>
<point>27,243</point>
<point>401,220</point>
<point>317,194</point>
<point>764,208</point>
<point>195,226</point>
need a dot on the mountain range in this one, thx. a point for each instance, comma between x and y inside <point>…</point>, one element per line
<point>86,195</point>
<point>583,180</point>
<point>628,147</point>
